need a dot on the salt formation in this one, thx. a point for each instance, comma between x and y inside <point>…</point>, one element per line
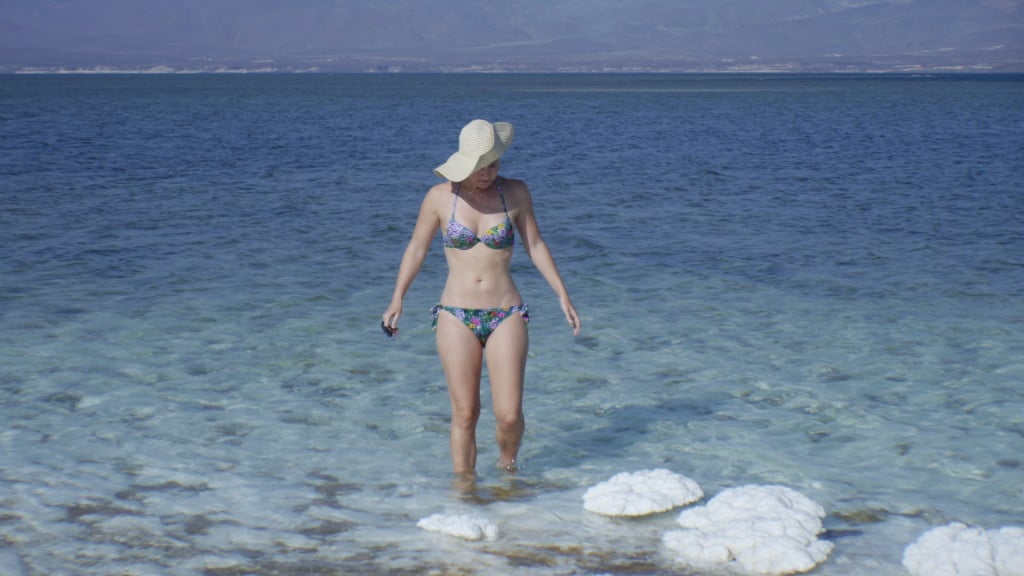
<point>460,526</point>
<point>957,550</point>
<point>753,530</point>
<point>640,493</point>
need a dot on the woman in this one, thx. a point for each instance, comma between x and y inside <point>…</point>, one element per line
<point>480,314</point>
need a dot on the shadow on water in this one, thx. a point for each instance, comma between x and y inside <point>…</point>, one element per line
<point>619,430</point>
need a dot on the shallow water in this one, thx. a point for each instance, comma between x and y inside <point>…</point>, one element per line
<point>810,281</point>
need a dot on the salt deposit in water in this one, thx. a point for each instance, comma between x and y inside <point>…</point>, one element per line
<point>958,550</point>
<point>752,530</point>
<point>641,493</point>
<point>460,526</point>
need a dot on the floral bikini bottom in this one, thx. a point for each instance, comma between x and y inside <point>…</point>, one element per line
<point>481,321</point>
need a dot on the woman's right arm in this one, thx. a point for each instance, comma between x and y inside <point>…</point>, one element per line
<point>427,224</point>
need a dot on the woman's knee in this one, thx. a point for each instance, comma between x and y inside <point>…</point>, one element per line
<point>510,421</point>
<point>465,417</point>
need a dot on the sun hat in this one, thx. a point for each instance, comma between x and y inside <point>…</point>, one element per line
<point>480,143</point>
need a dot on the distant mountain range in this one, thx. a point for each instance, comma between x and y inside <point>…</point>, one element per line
<point>524,35</point>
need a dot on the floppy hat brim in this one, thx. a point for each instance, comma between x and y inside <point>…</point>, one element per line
<point>471,156</point>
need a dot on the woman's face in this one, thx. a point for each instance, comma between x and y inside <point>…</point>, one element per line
<point>483,177</point>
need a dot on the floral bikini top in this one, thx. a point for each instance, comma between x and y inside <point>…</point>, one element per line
<point>460,237</point>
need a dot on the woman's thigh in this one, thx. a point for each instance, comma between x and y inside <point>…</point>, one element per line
<point>461,358</point>
<point>506,366</point>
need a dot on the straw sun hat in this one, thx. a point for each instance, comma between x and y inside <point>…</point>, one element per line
<point>480,143</point>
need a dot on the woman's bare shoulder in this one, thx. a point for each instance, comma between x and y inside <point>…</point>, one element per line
<point>440,189</point>
<point>438,193</point>
<point>516,191</point>
<point>513,184</point>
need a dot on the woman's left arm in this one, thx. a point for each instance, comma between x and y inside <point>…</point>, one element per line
<point>537,250</point>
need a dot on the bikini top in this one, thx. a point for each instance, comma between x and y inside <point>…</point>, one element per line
<point>460,237</point>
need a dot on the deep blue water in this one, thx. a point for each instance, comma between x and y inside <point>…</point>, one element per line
<point>814,281</point>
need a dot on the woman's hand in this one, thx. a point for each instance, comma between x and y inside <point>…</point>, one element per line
<point>570,315</point>
<point>391,316</point>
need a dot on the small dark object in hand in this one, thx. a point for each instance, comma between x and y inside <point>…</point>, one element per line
<point>386,329</point>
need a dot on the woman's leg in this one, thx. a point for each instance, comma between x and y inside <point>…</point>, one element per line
<point>506,366</point>
<point>461,358</point>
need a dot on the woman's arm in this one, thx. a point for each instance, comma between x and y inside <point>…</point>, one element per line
<point>427,224</point>
<point>537,250</point>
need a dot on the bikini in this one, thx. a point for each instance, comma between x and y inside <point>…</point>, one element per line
<point>481,321</point>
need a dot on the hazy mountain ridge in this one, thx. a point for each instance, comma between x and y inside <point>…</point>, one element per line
<point>347,35</point>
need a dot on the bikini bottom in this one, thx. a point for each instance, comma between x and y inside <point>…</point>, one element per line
<point>481,321</point>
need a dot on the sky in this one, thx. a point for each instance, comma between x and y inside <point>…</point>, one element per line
<point>522,35</point>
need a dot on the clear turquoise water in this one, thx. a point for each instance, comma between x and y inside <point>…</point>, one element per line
<point>810,281</point>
